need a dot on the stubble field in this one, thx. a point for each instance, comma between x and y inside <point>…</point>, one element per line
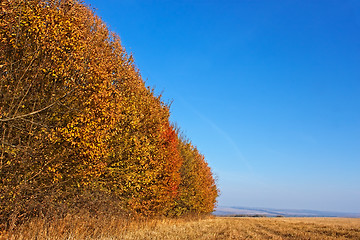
<point>210,228</point>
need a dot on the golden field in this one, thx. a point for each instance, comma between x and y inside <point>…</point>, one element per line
<point>73,227</point>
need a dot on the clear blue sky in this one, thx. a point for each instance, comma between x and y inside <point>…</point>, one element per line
<point>269,91</point>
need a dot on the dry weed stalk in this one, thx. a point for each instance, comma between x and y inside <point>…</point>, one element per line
<point>110,228</point>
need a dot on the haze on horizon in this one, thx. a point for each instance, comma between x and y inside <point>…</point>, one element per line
<point>269,91</point>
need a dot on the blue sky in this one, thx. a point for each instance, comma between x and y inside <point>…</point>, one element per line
<point>268,91</point>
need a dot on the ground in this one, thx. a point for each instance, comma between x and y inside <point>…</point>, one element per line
<point>209,228</point>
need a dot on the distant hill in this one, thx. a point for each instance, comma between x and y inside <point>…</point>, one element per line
<point>269,212</point>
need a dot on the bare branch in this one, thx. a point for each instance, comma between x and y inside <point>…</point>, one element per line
<point>35,112</point>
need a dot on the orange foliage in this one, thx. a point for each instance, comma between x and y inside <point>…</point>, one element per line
<point>197,190</point>
<point>76,117</point>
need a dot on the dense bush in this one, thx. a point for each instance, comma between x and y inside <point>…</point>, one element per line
<point>77,122</point>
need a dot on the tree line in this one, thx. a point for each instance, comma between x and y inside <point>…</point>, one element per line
<point>79,129</point>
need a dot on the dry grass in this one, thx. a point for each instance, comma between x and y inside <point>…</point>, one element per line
<point>74,227</point>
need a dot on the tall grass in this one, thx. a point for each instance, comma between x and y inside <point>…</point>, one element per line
<point>84,226</point>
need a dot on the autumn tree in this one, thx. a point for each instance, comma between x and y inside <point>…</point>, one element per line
<point>56,96</point>
<point>197,189</point>
<point>144,166</point>
<point>78,124</point>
